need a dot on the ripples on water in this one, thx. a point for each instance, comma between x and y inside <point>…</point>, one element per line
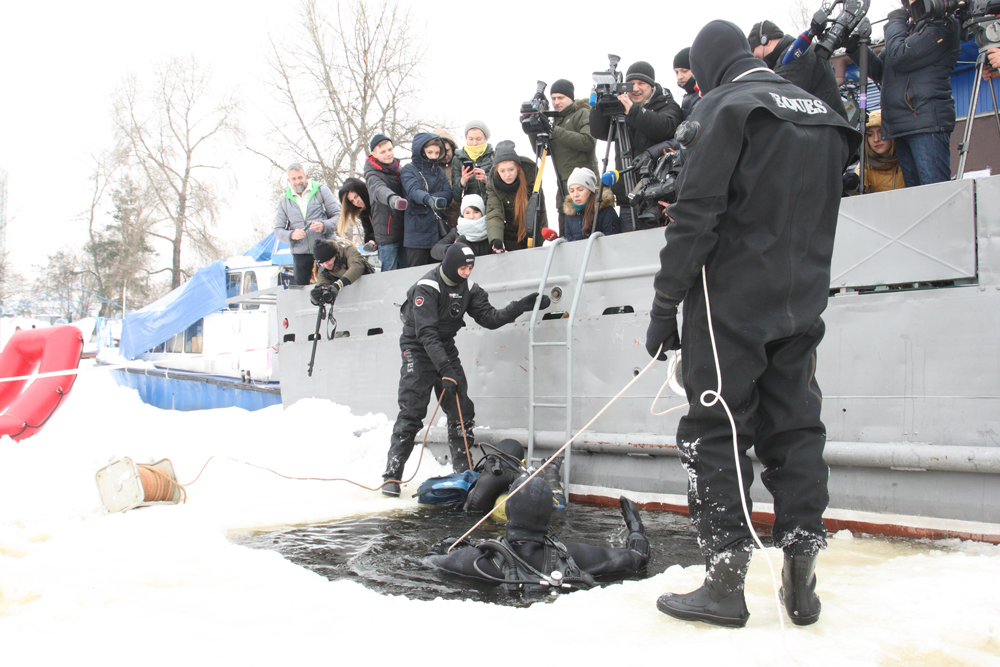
<point>383,552</point>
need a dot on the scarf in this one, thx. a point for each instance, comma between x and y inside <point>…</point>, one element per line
<point>391,168</point>
<point>475,152</point>
<point>473,230</point>
<point>579,207</point>
<point>505,187</point>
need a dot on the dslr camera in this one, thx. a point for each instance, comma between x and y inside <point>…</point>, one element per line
<point>607,87</point>
<point>323,294</point>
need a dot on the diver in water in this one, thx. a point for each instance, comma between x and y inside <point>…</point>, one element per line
<point>527,558</point>
<point>502,465</point>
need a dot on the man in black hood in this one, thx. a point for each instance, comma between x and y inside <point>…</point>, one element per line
<point>809,72</point>
<point>753,227</point>
<point>433,313</point>
<point>528,558</point>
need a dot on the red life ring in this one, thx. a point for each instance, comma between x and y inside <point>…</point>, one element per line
<point>25,411</point>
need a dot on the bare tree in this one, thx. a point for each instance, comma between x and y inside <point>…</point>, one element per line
<point>354,75</point>
<point>177,134</point>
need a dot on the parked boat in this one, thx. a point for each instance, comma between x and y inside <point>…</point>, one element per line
<point>909,367</point>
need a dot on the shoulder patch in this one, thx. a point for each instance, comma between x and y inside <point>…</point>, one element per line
<point>429,283</point>
<point>419,301</point>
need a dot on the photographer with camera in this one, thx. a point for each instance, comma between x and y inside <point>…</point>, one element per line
<point>918,110</point>
<point>434,311</point>
<point>753,227</point>
<point>338,264</point>
<point>571,145</point>
<point>651,116</point>
<point>809,71</point>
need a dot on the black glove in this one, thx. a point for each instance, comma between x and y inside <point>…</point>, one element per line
<point>851,181</point>
<point>497,245</point>
<point>544,124</point>
<point>662,329</point>
<point>631,515</point>
<point>899,15</point>
<point>528,302</point>
<point>316,295</point>
<point>449,386</point>
<point>852,42</point>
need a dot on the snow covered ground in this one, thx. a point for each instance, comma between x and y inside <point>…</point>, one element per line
<point>165,586</point>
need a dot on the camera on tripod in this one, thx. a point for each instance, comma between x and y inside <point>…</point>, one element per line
<point>658,168</point>
<point>326,293</point>
<point>607,87</point>
<point>535,112</point>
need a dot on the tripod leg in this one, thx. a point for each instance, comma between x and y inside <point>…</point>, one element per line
<point>963,148</point>
<point>996,112</point>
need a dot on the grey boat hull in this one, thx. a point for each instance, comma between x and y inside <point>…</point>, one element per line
<point>909,368</point>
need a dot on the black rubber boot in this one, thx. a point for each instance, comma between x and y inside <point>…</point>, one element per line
<point>456,446</point>
<point>552,473</point>
<point>720,599</point>
<point>798,589</point>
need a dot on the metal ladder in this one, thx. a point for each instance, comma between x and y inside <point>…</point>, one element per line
<point>568,343</point>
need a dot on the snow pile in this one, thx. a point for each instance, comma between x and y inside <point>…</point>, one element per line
<point>164,584</point>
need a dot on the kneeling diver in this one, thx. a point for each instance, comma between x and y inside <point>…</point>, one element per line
<point>529,559</point>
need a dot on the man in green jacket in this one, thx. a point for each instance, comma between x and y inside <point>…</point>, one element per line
<point>571,145</point>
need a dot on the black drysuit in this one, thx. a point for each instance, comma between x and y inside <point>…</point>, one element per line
<point>757,206</point>
<point>432,314</point>
<point>809,72</point>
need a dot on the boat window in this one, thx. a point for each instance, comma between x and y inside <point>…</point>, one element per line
<point>618,310</point>
<point>193,340</point>
<point>250,285</point>
<point>176,344</point>
<point>233,281</point>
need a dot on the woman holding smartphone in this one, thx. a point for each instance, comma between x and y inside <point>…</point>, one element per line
<point>473,162</point>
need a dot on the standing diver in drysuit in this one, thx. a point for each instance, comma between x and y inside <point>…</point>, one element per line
<point>433,313</point>
<point>529,559</point>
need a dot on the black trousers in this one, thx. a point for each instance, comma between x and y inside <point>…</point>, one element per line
<point>771,389</point>
<point>303,269</point>
<point>418,256</point>
<point>417,377</point>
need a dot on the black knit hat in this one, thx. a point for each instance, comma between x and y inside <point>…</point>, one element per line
<point>376,140</point>
<point>770,30</point>
<point>458,255</point>
<point>683,58</point>
<point>505,151</point>
<point>641,71</point>
<point>529,511</point>
<point>563,87</point>
<point>324,251</point>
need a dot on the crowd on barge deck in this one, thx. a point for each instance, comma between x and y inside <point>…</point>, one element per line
<point>479,194</point>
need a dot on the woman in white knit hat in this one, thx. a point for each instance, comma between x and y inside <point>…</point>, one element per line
<point>580,204</point>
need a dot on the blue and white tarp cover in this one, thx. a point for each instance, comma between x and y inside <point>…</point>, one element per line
<point>204,293</point>
<point>270,249</point>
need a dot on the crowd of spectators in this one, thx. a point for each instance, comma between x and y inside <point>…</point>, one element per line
<point>479,194</point>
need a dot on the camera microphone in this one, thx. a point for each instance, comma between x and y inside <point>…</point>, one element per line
<point>611,177</point>
<point>798,47</point>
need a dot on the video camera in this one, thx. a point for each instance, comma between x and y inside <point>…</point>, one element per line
<point>535,112</point>
<point>658,168</point>
<point>968,12</point>
<point>607,87</point>
<point>831,34</point>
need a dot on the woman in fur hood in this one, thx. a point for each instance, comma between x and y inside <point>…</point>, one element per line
<point>579,207</point>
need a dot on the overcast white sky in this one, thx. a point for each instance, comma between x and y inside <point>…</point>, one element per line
<point>63,60</point>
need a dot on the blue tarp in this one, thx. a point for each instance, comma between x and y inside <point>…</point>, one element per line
<point>270,249</point>
<point>204,293</point>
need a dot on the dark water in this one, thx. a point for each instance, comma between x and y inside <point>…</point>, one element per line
<point>384,552</point>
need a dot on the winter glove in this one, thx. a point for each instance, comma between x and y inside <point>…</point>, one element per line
<point>898,15</point>
<point>397,203</point>
<point>528,302</point>
<point>851,181</point>
<point>449,386</point>
<point>631,515</point>
<point>662,329</point>
<point>549,234</point>
<point>852,42</point>
<point>497,245</point>
<point>436,203</point>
